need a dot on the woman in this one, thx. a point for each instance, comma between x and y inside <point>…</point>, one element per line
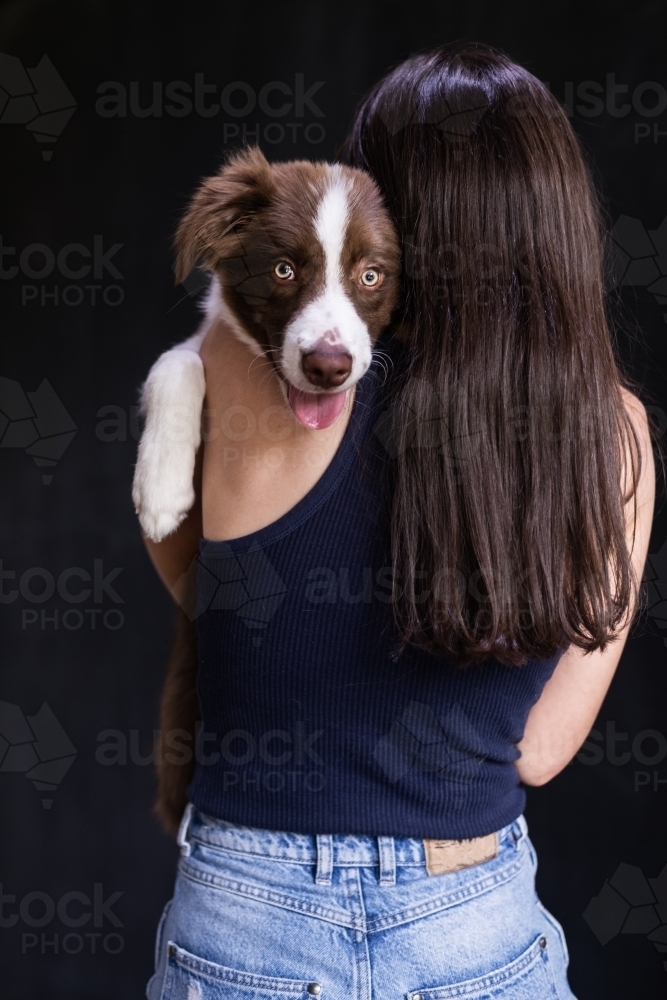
<point>358,830</point>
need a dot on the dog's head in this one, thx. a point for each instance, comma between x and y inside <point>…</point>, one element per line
<point>308,260</point>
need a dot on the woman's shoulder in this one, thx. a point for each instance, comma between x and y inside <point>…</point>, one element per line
<point>635,408</point>
<point>258,460</point>
<point>638,444</point>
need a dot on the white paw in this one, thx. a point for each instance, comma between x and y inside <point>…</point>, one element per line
<point>163,493</point>
<point>172,399</point>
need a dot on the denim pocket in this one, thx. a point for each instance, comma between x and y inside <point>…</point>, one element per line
<point>191,978</point>
<point>532,854</point>
<point>160,932</point>
<point>528,977</point>
<point>557,929</point>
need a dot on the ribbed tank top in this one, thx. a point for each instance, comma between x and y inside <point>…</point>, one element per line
<point>309,724</point>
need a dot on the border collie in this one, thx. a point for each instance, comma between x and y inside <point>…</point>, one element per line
<point>305,262</point>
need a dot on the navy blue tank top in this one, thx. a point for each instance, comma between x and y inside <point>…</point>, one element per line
<point>309,724</point>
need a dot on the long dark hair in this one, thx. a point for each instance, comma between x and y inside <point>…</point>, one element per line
<point>510,431</point>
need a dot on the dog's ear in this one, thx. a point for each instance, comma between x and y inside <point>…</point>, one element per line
<point>222,205</point>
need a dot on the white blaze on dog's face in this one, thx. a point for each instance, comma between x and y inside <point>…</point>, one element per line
<point>307,259</point>
<point>329,327</point>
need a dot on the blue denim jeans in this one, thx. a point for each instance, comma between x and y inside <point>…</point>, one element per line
<point>260,914</point>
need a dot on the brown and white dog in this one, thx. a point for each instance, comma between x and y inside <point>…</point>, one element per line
<point>305,265</point>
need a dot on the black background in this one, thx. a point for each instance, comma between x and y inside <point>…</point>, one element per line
<point>126,179</point>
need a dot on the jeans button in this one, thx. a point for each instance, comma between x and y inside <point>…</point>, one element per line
<point>543,942</point>
<point>314,989</point>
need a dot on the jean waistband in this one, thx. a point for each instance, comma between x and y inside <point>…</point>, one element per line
<point>302,848</point>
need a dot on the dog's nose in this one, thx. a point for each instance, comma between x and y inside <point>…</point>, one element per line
<point>326,366</point>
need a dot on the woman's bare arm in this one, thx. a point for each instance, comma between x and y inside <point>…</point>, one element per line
<point>561,719</point>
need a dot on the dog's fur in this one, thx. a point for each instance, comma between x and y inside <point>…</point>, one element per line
<point>179,717</point>
<point>326,225</point>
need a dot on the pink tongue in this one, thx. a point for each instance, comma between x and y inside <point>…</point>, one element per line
<point>315,409</point>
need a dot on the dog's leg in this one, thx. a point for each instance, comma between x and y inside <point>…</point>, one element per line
<point>171,401</point>
<point>179,714</point>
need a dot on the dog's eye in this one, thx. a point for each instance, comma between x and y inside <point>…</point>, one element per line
<point>284,270</point>
<point>370,278</point>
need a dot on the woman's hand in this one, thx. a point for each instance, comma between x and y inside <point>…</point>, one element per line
<point>561,719</point>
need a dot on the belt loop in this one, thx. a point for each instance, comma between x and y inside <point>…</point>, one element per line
<point>183,831</point>
<point>387,854</point>
<point>324,843</point>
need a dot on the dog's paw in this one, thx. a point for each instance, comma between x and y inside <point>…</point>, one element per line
<point>163,492</point>
<point>172,399</point>
<point>157,521</point>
